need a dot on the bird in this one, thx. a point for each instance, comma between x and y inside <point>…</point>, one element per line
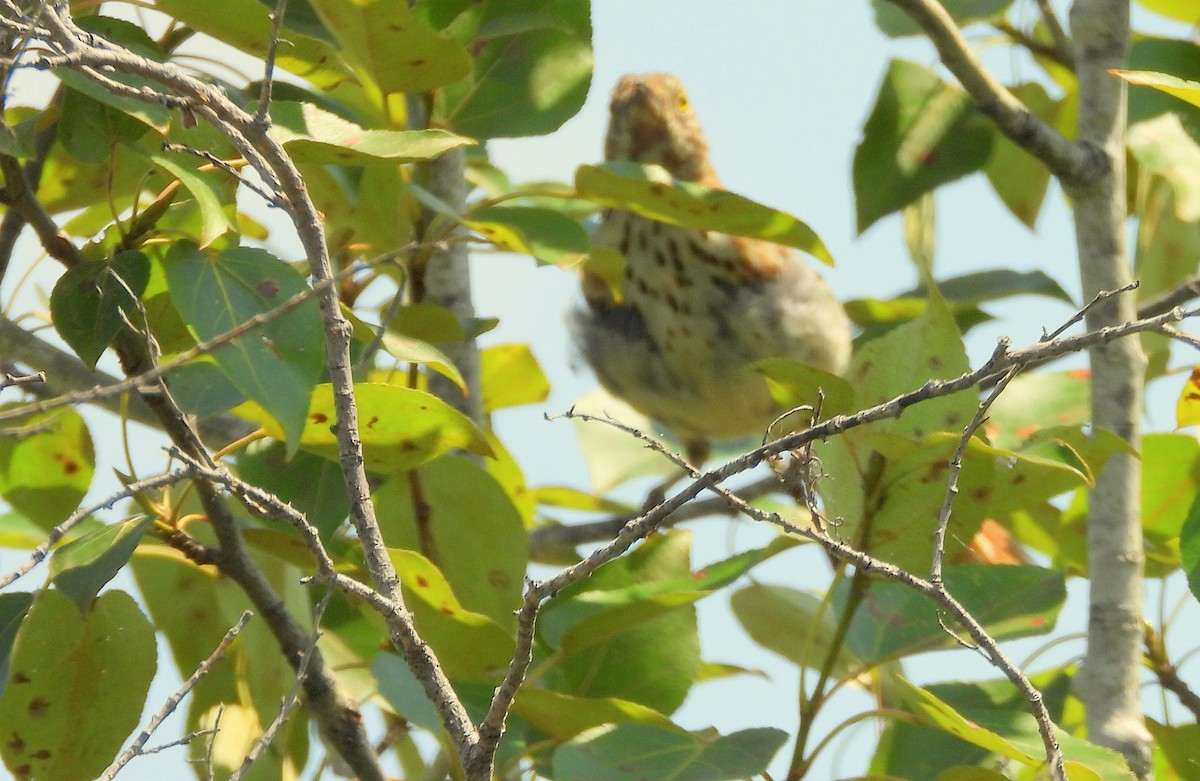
<point>696,308</point>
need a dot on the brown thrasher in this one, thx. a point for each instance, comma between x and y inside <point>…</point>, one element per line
<point>697,307</point>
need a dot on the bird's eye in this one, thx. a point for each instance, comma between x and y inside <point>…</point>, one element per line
<point>682,102</point>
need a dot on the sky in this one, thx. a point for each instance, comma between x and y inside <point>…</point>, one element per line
<point>782,89</point>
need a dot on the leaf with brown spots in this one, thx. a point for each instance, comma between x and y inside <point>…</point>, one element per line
<point>45,476</point>
<point>87,678</point>
<point>477,532</point>
<point>275,364</point>
<point>469,645</point>
<point>390,48</point>
<point>895,621</point>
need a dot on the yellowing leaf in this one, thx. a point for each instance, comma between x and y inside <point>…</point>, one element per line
<point>510,376</point>
<point>312,135</point>
<point>400,428</point>
<point>1187,409</point>
<point>1172,85</point>
<point>470,645</point>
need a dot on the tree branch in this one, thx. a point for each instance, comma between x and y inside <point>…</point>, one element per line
<point>1108,683</point>
<point>1070,161</point>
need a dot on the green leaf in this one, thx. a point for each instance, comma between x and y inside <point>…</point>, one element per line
<point>477,533</point>
<point>932,349</point>
<point>194,607</point>
<point>1189,547</point>
<point>922,133</point>
<point>912,489</point>
<point>792,624</point>
<point>1172,85</point>
<point>83,566</point>
<point>895,23</point>
<point>404,693</point>
<point>1178,745</point>
<point>429,323</point>
<point>531,66</point>
<point>1008,730</point>
<point>612,456</point>
<point>45,475</point>
<point>994,285</point>
<point>651,192</point>
<point>793,384</point>
<point>313,135</point>
<point>1049,462</point>
<point>505,470</point>
<point>1010,601</point>
<point>1019,178</point>
<point>311,484</point>
<point>935,713</point>
<point>202,389</point>
<point>391,48</point>
<point>13,607</point>
<point>510,376</point>
<point>997,722</point>
<point>77,685</point>
<point>624,751</point>
<point>545,234</point>
<point>88,129</point>
<point>246,25</point>
<point>401,428</point>
<point>92,301</point>
<point>206,187</point>
<point>570,498</point>
<point>1179,10</point>
<point>651,657</point>
<point>67,184</point>
<point>275,364</point>
<point>1170,485</point>
<point>406,348</point>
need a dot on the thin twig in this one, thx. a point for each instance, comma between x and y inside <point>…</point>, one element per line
<point>1080,314</point>
<point>10,380</point>
<point>1062,41</point>
<point>955,468</point>
<point>270,198</point>
<point>61,530</point>
<point>293,697</point>
<point>261,115</point>
<point>1186,291</point>
<point>1168,673</point>
<point>172,702</point>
